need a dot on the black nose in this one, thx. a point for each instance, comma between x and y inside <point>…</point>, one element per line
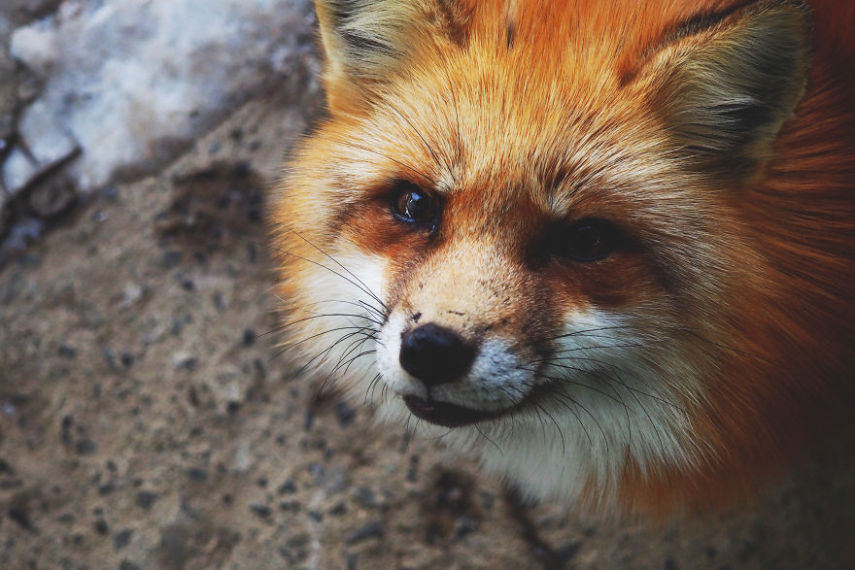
<point>435,355</point>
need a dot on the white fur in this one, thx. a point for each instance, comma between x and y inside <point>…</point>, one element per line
<point>609,405</point>
<point>342,296</point>
<point>613,407</point>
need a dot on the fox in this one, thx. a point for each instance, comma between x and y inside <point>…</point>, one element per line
<point>605,247</point>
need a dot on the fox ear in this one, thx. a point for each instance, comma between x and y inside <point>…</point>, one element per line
<point>725,85</point>
<point>366,41</point>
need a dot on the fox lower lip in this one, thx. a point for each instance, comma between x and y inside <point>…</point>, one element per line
<point>448,415</point>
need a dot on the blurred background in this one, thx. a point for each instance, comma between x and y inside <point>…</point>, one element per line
<point>146,417</point>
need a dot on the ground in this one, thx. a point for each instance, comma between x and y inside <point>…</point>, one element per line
<point>148,421</point>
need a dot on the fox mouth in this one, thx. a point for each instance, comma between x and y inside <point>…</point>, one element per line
<point>449,415</point>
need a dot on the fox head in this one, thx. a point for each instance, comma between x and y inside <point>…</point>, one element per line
<point>562,234</point>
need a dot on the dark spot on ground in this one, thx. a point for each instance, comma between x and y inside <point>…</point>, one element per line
<point>448,507</point>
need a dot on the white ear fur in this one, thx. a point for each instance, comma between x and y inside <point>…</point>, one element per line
<point>366,40</point>
<point>725,90</point>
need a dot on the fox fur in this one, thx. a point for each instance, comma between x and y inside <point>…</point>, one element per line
<point>719,136</point>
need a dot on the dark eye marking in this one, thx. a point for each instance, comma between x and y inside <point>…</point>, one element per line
<point>586,241</point>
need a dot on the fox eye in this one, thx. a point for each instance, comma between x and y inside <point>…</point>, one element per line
<point>413,205</point>
<point>587,240</point>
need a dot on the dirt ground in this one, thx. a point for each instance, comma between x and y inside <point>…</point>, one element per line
<point>147,421</point>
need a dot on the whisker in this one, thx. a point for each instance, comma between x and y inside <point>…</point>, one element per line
<point>358,282</point>
<point>499,449</point>
<point>369,392</point>
<point>566,401</point>
<point>325,315</point>
<point>594,373</point>
<point>585,332</point>
<point>562,380</point>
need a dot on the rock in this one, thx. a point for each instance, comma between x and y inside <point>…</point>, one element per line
<point>184,361</point>
<point>197,474</point>
<point>122,538</point>
<point>47,140</point>
<point>145,499</point>
<point>132,293</point>
<point>344,413</point>
<point>86,447</point>
<point>20,516</point>
<point>135,82</point>
<point>47,146</point>
<point>53,197</point>
<point>23,232</point>
<point>370,530</point>
<point>5,213</point>
<point>365,498</point>
<point>18,170</point>
<point>289,487</point>
<point>261,511</point>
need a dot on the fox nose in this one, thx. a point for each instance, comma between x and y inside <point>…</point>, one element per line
<point>435,355</point>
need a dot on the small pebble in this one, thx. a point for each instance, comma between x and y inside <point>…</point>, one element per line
<point>365,498</point>
<point>86,447</point>
<point>101,527</point>
<point>197,474</point>
<point>110,358</point>
<point>67,351</point>
<point>127,359</point>
<point>122,538</point>
<point>22,518</point>
<point>345,414</point>
<point>262,511</point>
<point>248,337</point>
<point>373,529</point>
<point>184,361</point>
<point>171,259</point>
<point>146,499</point>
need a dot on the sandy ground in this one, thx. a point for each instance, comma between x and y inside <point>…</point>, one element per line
<point>147,421</point>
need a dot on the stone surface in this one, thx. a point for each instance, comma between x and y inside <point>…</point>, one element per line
<point>53,197</point>
<point>18,170</point>
<point>47,142</point>
<point>8,98</point>
<point>134,82</point>
<point>46,147</point>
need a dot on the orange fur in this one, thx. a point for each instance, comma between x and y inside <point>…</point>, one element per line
<point>515,109</point>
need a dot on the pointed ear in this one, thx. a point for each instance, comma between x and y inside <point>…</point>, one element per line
<point>724,85</point>
<point>366,41</point>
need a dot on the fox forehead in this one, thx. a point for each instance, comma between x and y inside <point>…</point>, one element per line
<point>475,133</point>
<point>511,121</point>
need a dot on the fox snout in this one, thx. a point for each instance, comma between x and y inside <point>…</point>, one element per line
<point>435,355</point>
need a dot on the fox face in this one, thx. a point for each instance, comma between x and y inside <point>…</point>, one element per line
<point>562,235</point>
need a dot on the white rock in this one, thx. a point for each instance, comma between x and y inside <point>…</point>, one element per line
<point>37,46</point>
<point>45,137</point>
<point>132,294</point>
<point>130,79</point>
<point>18,170</point>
